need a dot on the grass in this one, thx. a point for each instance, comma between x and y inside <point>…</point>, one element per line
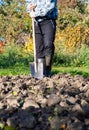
<point>15,71</point>
<point>84,71</point>
<point>25,70</point>
<point>17,62</point>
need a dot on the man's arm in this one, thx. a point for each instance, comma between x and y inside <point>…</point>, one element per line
<point>42,10</point>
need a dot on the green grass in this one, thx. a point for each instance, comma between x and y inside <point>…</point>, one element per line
<point>84,71</point>
<point>15,71</point>
<point>25,70</point>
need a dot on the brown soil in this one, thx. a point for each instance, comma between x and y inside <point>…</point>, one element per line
<point>57,103</point>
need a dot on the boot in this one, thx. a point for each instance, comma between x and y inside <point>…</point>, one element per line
<point>48,65</point>
<point>39,74</point>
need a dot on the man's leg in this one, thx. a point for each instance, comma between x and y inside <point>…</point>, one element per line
<point>49,29</point>
<point>39,45</point>
<point>39,42</point>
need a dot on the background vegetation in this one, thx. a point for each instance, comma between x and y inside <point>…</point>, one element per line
<point>71,43</point>
<point>72,37</point>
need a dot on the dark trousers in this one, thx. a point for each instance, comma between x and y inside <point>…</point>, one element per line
<point>44,37</point>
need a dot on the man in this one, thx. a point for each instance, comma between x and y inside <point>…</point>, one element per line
<point>45,14</point>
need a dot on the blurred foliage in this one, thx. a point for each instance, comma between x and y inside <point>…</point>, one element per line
<point>73,24</point>
<point>13,20</point>
<point>67,3</point>
<point>2,47</point>
<point>76,36</point>
<point>68,54</point>
<point>28,45</point>
<point>13,56</point>
<point>72,33</point>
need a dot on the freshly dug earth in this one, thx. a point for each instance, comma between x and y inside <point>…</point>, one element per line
<point>57,103</point>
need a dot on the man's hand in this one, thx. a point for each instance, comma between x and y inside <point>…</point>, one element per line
<point>32,6</point>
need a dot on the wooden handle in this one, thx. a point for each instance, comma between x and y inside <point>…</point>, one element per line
<point>34,45</point>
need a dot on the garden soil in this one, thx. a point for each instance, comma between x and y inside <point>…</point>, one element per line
<point>57,103</point>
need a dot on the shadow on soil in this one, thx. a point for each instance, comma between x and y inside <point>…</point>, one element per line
<point>47,118</point>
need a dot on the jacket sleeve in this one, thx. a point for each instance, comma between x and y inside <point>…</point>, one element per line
<point>42,10</point>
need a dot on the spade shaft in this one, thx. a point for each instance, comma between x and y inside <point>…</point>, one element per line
<point>37,67</point>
